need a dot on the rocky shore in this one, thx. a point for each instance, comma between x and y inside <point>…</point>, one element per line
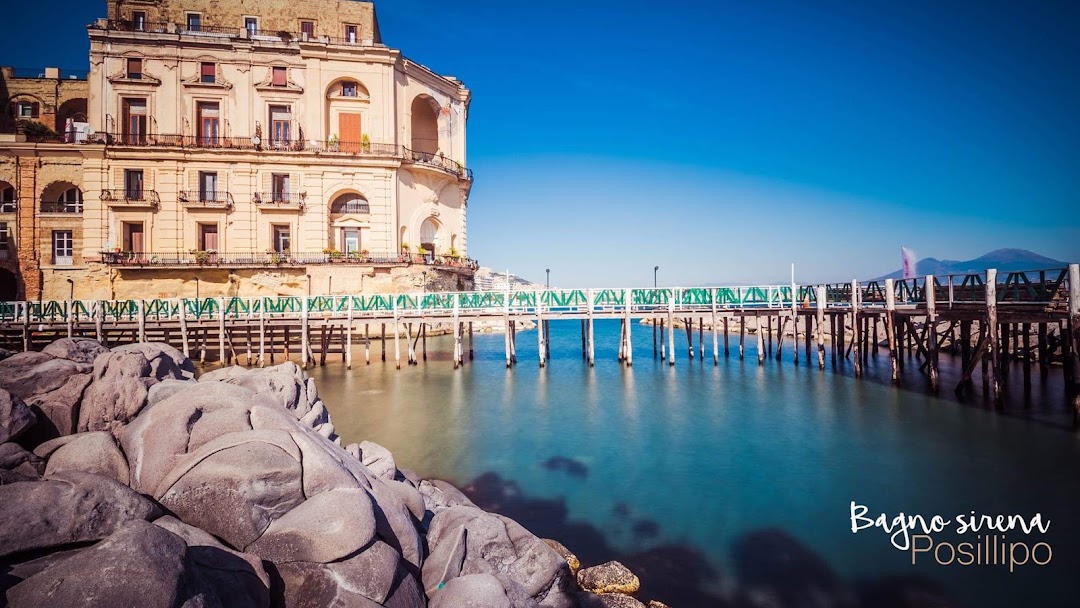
<point>126,481</point>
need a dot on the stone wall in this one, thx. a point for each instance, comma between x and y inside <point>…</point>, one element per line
<point>58,98</point>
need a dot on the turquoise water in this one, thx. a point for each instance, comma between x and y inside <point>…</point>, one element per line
<point>713,482</point>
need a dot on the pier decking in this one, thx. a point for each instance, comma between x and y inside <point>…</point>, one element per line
<point>995,315</point>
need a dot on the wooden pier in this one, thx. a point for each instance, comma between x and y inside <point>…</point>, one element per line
<point>990,320</point>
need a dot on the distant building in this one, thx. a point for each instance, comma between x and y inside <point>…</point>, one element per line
<point>263,147</point>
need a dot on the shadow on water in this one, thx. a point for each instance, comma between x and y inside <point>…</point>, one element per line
<point>770,567</point>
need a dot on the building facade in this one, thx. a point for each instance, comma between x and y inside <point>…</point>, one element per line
<point>260,146</point>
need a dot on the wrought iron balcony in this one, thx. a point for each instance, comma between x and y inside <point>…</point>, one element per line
<point>133,197</point>
<point>352,206</point>
<point>9,206</point>
<point>206,198</point>
<point>438,160</point>
<point>281,199</point>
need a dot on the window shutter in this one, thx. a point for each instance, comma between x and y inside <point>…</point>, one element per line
<point>35,108</point>
<point>13,108</point>
<point>209,69</point>
<point>267,187</point>
<point>279,77</point>
<point>148,179</point>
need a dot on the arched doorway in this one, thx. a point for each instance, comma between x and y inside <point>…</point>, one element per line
<point>429,236</point>
<point>425,126</point>
<point>9,286</point>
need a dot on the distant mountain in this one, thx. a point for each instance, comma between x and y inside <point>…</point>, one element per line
<point>1004,260</point>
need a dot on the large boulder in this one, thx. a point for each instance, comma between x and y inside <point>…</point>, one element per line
<point>472,591</point>
<point>69,507</point>
<point>15,416</point>
<point>377,459</point>
<point>15,458</point>
<point>122,379</point>
<point>141,565</point>
<point>94,452</point>
<point>52,388</point>
<point>612,577</point>
<point>79,350</point>
<point>465,540</point>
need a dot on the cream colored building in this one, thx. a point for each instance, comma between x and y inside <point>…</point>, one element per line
<point>263,136</point>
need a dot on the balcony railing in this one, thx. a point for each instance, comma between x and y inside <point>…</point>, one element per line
<point>160,27</point>
<point>355,206</point>
<point>280,198</point>
<point>440,161</point>
<point>59,207</point>
<point>132,196</point>
<point>275,258</point>
<point>209,198</point>
<point>9,206</point>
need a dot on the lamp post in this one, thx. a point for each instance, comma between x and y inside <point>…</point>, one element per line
<point>71,283</point>
<point>308,284</point>
<point>654,271</point>
<point>196,288</point>
<point>547,283</point>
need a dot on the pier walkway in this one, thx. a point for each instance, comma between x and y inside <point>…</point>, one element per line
<point>994,314</point>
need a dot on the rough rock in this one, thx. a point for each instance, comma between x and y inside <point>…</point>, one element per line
<point>5,353</point>
<point>378,459</point>
<point>15,416</point>
<point>607,600</point>
<point>324,528</point>
<point>491,544</point>
<point>657,604</point>
<point>165,389</point>
<point>145,568</point>
<point>66,508</point>
<point>370,578</point>
<point>122,379</point>
<point>612,577</point>
<point>439,495</point>
<point>79,350</point>
<point>472,591</point>
<point>13,457</point>
<point>571,559</point>
<point>94,452</point>
<point>32,373</point>
<point>58,410</point>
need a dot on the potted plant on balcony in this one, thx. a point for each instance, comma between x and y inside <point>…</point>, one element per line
<point>333,254</point>
<point>365,143</point>
<point>201,257</point>
<point>333,144</point>
<point>405,253</point>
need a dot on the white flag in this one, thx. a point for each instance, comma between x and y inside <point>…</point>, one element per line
<point>908,262</point>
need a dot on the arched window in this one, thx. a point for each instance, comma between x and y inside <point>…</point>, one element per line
<point>429,236</point>
<point>7,198</point>
<point>425,126</point>
<point>350,203</point>
<point>62,198</point>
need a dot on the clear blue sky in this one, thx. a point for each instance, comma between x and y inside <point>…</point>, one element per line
<point>724,140</point>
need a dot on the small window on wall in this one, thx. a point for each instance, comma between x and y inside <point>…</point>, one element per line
<point>194,22</point>
<point>5,240</point>
<point>26,109</point>
<point>133,184</point>
<point>282,241</point>
<point>208,72</point>
<point>350,34</point>
<point>348,89</point>
<point>138,20</point>
<point>251,24</point>
<point>63,248</point>
<point>307,29</point>
<point>134,69</point>
<point>279,185</point>
<point>7,200</point>
<point>280,77</point>
<point>280,125</point>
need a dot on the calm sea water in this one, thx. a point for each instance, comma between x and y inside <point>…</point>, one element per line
<point>714,482</point>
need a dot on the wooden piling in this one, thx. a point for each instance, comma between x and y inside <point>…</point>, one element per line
<point>654,351</point>
<point>470,341</point>
<point>856,339</point>
<point>671,331</point>
<point>629,354</point>
<point>931,333</point>
<point>183,328</point>
<point>688,326</point>
<point>760,339</point>
<point>99,321</point>
<point>1026,333</point>
<point>539,336</point>
<point>383,341</point>
<point>221,330</point>
<point>742,337</point>
<point>769,337</point>
<point>262,336</point>
<point>141,310</point>
<point>727,348</point>
<point>715,338</point>
<point>890,329</point>
<point>348,331</point>
<point>1044,353</point>
<point>397,346</point>
<point>992,329</point>
<point>821,296</point>
<point>506,337</point>
<point>423,339</point>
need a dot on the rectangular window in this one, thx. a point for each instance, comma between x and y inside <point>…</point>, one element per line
<point>350,34</point>
<point>133,184</point>
<point>7,200</point>
<point>307,30</point>
<point>194,22</point>
<point>280,125</point>
<point>133,236</point>
<point>134,69</point>
<point>279,77</point>
<point>134,116</point>
<point>251,24</point>
<point>208,72</point>
<point>63,248</point>
<point>348,89</point>
<point>208,237</point>
<point>282,242</point>
<point>207,121</point>
<point>5,240</point>
<point>208,183</point>
<point>138,21</point>
<point>26,109</point>
<point>279,187</point>
<point>351,240</point>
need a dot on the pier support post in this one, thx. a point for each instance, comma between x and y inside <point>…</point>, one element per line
<point>856,327</point>
<point>591,335</point>
<point>821,326</point>
<point>367,345</point>
<point>663,344</point>
<point>140,307</point>
<point>727,348</point>
<point>1074,335</point>
<point>397,342</point>
<point>688,327</point>
<point>470,341</point>
<point>262,334</point>
<point>304,332</point>
<point>931,332</point>
<point>506,335</point>
<point>761,339</point>
<point>1027,358</point>
<point>69,316</point>
<point>890,328</point>
<point>654,351</point>
<point>99,321</point>
<point>221,330</point>
<point>382,340</point>
<point>457,333</point>
<point>742,337</point>
<point>715,338</point>
<point>183,328</point>
<point>348,331</point>
<point>627,298</point>
<point>671,329</point>
<point>992,335</point>
<point>1044,353</point>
